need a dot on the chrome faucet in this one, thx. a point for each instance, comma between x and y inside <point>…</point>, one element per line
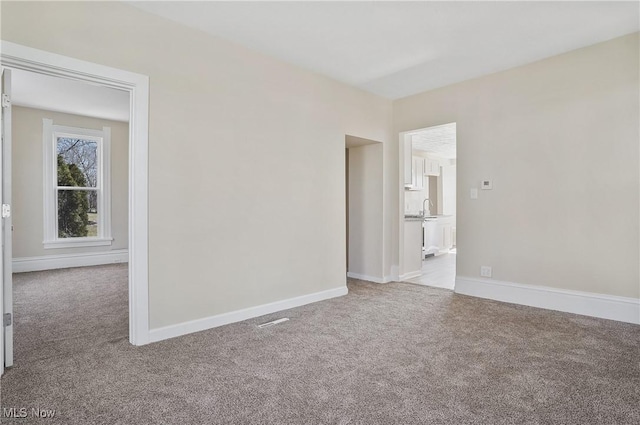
<point>424,208</point>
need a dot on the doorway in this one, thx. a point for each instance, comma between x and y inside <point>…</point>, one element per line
<point>364,205</point>
<point>70,143</point>
<point>428,201</point>
<point>16,57</point>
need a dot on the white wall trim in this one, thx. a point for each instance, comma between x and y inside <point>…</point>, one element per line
<point>394,275</point>
<point>63,261</point>
<point>611,307</point>
<point>29,59</point>
<point>77,242</point>
<point>198,325</point>
<point>410,275</point>
<point>374,279</point>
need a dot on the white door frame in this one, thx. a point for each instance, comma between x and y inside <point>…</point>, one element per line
<point>26,58</point>
<point>404,139</point>
<point>7,280</point>
<point>2,131</point>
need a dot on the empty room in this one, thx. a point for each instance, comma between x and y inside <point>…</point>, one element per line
<point>320,212</point>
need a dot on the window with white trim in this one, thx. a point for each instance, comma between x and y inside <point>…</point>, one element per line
<point>77,194</point>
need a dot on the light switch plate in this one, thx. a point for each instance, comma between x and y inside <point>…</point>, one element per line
<point>486,184</point>
<point>474,193</point>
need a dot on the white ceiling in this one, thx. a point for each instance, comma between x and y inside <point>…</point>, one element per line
<point>439,140</point>
<point>396,49</point>
<point>73,97</point>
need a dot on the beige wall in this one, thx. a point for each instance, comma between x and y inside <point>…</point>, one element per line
<point>27,180</point>
<point>246,156</point>
<point>365,210</point>
<point>436,208</point>
<point>247,182</point>
<point>560,139</point>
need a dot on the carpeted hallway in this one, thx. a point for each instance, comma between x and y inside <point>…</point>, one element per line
<point>394,353</point>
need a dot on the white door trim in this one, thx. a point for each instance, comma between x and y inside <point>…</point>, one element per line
<point>7,235</point>
<point>2,283</point>
<point>26,58</point>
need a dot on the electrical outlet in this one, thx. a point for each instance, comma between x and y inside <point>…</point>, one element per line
<point>485,271</point>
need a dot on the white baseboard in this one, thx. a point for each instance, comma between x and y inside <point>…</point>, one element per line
<point>410,275</point>
<point>394,276</point>
<point>63,261</point>
<point>611,307</point>
<point>368,278</point>
<point>198,325</point>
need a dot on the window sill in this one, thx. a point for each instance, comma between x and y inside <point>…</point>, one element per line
<point>77,243</point>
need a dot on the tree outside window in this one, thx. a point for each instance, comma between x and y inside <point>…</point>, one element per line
<point>79,198</point>
<point>77,170</point>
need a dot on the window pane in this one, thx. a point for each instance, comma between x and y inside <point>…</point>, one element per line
<point>92,227</point>
<point>77,213</point>
<point>77,162</point>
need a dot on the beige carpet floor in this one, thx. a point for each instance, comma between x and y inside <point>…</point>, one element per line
<point>62,312</point>
<point>384,354</point>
